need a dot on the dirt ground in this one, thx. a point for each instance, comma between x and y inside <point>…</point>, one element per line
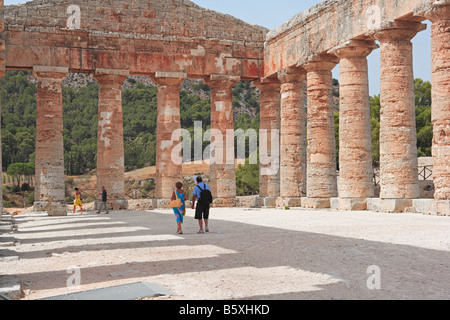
<point>248,254</point>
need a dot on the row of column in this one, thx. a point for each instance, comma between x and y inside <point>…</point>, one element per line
<point>283,107</point>
<point>50,192</point>
<point>49,162</point>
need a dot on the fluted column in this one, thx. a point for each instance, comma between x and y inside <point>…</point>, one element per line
<point>321,167</point>
<point>49,161</point>
<point>292,137</point>
<point>168,172</point>
<point>398,137</point>
<point>110,145</point>
<point>440,113</point>
<point>355,183</point>
<point>222,172</point>
<point>269,159</point>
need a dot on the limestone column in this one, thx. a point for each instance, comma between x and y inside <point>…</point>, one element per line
<point>440,112</point>
<point>49,161</point>
<point>222,172</point>
<point>398,141</point>
<point>355,183</point>
<point>321,167</point>
<point>2,74</point>
<point>110,146</point>
<point>292,137</point>
<point>168,172</point>
<point>269,177</point>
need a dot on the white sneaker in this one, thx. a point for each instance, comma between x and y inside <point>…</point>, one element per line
<point>206,229</point>
<point>200,231</point>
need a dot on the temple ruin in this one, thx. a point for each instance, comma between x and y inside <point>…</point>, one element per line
<point>172,40</point>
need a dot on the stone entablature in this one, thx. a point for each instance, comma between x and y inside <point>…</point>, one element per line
<point>331,24</point>
<point>142,36</point>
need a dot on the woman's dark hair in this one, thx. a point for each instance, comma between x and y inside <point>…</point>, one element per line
<point>179,185</point>
<point>76,189</point>
<point>199,179</point>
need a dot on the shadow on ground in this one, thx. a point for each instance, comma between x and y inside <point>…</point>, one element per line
<point>407,272</point>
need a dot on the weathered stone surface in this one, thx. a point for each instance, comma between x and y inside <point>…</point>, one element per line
<point>398,142</point>
<point>321,167</point>
<point>440,40</point>
<point>143,36</point>
<point>49,163</point>
<point>168,172</point>
<point>110,148</point>
<point>292,136</point>
<point>348,204</point>
<point>222,167</point>
<point>331,24</point>
<point>269,178</point>
<point>355,151</point>
<point>2,74</point>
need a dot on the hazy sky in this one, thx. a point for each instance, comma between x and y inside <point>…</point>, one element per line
<point>271,14</point>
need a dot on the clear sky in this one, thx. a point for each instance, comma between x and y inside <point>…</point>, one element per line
<point>271,14</point>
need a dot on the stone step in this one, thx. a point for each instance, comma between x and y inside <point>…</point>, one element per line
<point>10,287</point>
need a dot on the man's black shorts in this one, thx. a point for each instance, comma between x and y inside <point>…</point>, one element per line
<point>201,211</point>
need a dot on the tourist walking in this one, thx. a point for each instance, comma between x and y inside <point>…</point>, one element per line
<point>202,193</point>
<point>103,203</point>
<point>78,201</point>
<point>179,212</point>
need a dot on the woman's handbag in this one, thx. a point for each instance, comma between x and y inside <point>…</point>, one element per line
<point>176,203</point>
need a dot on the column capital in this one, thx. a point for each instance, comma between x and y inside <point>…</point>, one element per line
<point>56,73</point>
<point>354,49</point>
<point>399,31</point>
<point>220,81</point>
<point>111,75</point>
<point>267,84</point>
<point>322,62</point>
<point>438,11</point>
<point>169,78</point>
<point>293,74</point>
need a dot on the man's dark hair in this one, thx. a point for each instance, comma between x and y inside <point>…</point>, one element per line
<point>199,179</point>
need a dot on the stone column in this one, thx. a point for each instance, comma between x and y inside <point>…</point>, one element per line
<point>440,112</point>
<point>49,162</point>
<point>398,141</point>
<point>292,137</point>
<point>168,172</point>
<point>321,170</point>
<point>269,163</point>
<point>222,172</point>
<point>355,182</point>
<point>110,147</point>
<point>2,74</point>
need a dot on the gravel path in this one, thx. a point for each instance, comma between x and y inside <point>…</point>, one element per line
<point>249,254</point>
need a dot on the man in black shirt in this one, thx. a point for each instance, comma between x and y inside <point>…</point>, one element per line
<point>104,195</point>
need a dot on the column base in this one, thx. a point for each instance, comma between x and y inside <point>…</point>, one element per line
<point>161,203</point>
<point>348,204</point>
<point>224,203</point>
<point>54,208</point>
<point>268,202</point>
<point>315,203</point>
<point>118,204</point>
<point>288,202</point>
<point>391,205</point>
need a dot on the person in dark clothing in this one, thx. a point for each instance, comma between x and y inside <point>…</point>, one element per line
<point>104,195</point>
<point>202,209</point>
